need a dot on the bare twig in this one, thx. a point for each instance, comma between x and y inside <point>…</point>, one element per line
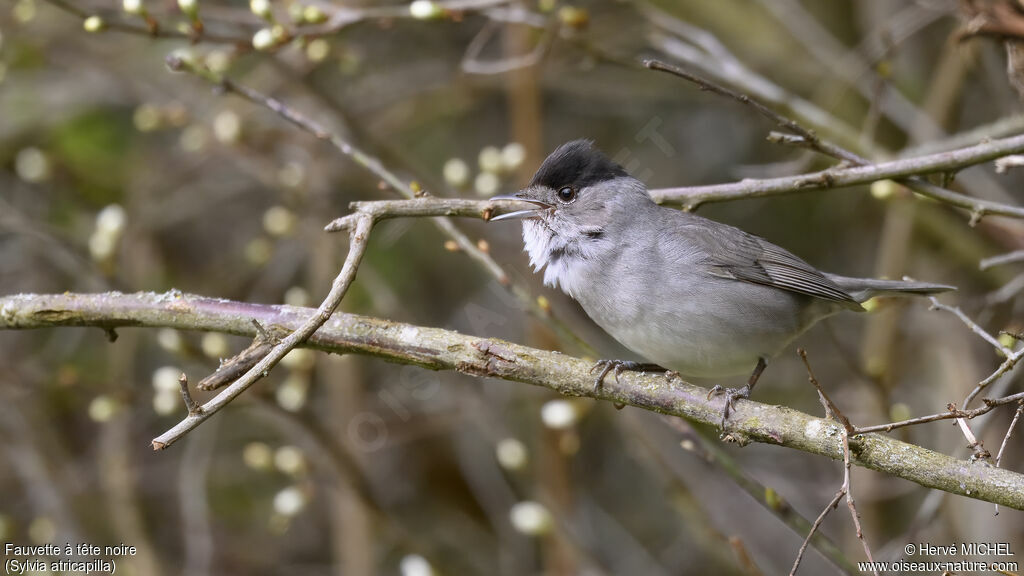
<point>814,528</point>
<point>358,239</point>
<point>439,349</point>
<point>847,487</point>
<point>1009,258</point>
<point>193,407</point>
<point>840,176</point>
<point>1006,438</point>
<point>809,138</point>
<point>955,310</point>
<point>1009,433</point>
<point>711,451</point>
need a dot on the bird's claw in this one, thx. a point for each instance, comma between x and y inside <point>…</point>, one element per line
<point>731,395</point>
<point>618,366</point>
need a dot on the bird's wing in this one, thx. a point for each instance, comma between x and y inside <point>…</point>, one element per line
<point>729,252</point>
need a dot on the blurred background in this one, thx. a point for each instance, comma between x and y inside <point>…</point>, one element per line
<point>117,174</point>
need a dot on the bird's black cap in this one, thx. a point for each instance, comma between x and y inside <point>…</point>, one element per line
<point>578,164</point>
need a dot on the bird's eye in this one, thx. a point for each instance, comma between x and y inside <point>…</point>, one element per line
<point>567,194</point>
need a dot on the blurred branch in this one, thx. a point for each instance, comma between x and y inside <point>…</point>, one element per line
<point>949,161</point>
<point>439,349</point>
<point>839,177</point>
<point>150,27</point>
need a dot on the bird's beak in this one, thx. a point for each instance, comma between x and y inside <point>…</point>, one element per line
<point>519,214</point>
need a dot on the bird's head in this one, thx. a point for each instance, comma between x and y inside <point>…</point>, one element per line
<point>581,200</point>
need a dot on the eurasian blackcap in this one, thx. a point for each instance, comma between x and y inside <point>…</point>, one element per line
<point>692,295</point>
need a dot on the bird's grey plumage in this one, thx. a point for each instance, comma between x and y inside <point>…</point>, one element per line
<point>691,294</point>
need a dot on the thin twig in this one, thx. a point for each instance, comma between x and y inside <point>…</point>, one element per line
<point>1009,433</point>
<point>1009,258</point>
<point>814,528</point>
<point>862,172</point>
<point>953,413</point>
<point>713,454</point>
<point>810,139</point>
<point>358,239</point>
<point>1006,438</point>
<point>193,407</point>
<point>847,487</point>
<point>955,310</point>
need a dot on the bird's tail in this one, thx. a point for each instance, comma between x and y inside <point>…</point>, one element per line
<point>862,289</point>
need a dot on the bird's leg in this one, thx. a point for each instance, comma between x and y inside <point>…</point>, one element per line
<point>732,394</point>
<point>618,366</point>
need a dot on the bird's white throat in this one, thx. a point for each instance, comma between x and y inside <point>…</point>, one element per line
<point>561,258</point>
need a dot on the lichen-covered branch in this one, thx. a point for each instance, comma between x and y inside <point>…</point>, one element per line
<point>439,349</point>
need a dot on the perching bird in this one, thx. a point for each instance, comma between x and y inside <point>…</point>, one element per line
<point>689,294</point>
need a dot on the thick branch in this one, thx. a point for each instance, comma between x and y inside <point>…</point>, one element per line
<point>439,349</point>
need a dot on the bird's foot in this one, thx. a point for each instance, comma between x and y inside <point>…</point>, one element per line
<point>618,366</point>
<point>731,395</point>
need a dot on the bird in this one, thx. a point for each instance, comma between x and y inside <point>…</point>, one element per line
<point>691,296</point>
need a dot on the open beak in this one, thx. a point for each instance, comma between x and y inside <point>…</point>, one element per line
<point>519,214</point>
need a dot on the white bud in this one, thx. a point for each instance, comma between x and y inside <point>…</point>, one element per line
<point>263,39</point>
<point>166,403</point>
<point>218,61</point>
<point>134,7</point>
<point>291,394</point>
<point>102,245</point>
<point>169,339</point>
<point>298,359</point>
<point>511,454</point>
<point>102,408</point>
<point>486,183</point>
<point>258,251</point>
<point>415,565</point>
<point>227,127</point>
<point>215,345</point>
<point>512,156</point>
<point>291,175</point>
<point>456,172</point>
<point>318,50</point>
<point>489,159</point>
<point>289,502</point>
<point>189,7</point>
<point>111,219</point>
<point>313,15</point>
<point>296,296</point>
<point>559,414</point>
<point>425,10</point>
<point>166,378</point>
<point>42,530</point>
<point>146,118</point>
<point>6,528</point>
<point>278,221</point>
<point>530,518</point>
<point>32,165</point>
<point>289,459</point>
<point>258,456</point>
<point>93,24</point>
<point>24,11</point>
<point>193,138</point>
<point>260,8</point>
<point>882,189</point>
